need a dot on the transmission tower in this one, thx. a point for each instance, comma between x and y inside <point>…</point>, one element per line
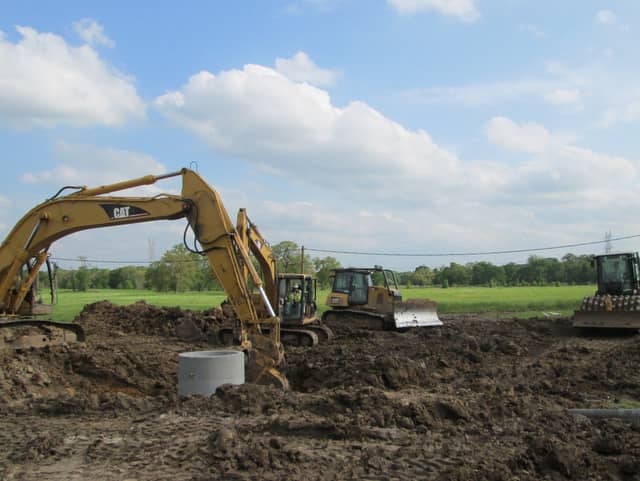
<point>607,243</point>
<point>152,249</point>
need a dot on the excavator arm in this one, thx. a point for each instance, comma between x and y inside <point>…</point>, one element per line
<point>29,242</point>
<point>301,327</point>
<point>251,238</point>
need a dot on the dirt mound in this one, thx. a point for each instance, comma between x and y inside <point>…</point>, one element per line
<point>475,399</point>
<point>105,318</point>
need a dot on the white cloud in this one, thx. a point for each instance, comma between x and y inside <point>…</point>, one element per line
<point>464,9</point>
<point>352,160</point>
<point>92,32</point>
<point>558,85</point>
<point>561,97</point>
<point>299,6</point>
<point>46,82</point>
<point>300,68</point>
<point>293,129</point>
<point>533,30</point>
<point>557,166</point>
<point>479,94</point>
<point>93,166</point>
<point>606,17</point>
<point>622,110</point>
<point>531,138</point>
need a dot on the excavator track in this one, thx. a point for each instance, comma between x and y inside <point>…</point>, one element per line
<point>298,337</point>
<point>48,333</point>
<point>308,336</point>
<point>324,333</point>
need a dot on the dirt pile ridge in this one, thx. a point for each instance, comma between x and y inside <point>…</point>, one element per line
<point>476,399</point>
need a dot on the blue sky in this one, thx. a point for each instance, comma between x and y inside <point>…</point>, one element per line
<point>413,126</point>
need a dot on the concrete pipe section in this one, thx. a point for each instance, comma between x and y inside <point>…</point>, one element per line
<point>201,372</point>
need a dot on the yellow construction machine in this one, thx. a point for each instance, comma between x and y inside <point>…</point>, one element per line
<point>294,294</point>
<point>616,303</point>
<point>369,298</point>
<point>26,250</point>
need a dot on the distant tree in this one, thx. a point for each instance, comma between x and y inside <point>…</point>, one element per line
<point>378,277</point>
<point>487,274</point>
<point>578,269</point>
<point>323,268</point>
<point>80,279</point>
<point>204,278</point>
<point>128,277</point>
<point>287,254</point>
<point>178,270</point>
<point>422,276</point>
<point>159,277</point>
<point>456,274</point>
<point>512,273</point>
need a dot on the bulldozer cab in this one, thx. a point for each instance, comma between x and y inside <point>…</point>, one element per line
<point>356,282</point>
<point>297,297</point>
<point>617,273</point>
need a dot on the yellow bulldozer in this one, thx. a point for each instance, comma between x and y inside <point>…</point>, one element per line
<point>616,303</point>
<point>369,298</point>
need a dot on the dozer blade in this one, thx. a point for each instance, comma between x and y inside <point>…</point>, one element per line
<point>416,313</point>
<point>607,319</point>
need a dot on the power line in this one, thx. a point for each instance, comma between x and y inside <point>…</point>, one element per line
<point>105,261</point>
<point>386,254</point>
<point>461,254</point>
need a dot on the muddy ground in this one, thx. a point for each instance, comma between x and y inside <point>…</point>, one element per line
<point>480,398</point>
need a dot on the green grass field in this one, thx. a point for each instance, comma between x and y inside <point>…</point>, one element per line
<point>524,301</point>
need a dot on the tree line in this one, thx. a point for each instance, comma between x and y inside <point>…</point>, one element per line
<point>537,271</point>
<point>180,270</point>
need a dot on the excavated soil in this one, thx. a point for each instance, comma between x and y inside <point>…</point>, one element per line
<point>478,399</point>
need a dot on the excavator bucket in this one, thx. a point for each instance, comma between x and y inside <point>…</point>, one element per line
<point>416,313</point>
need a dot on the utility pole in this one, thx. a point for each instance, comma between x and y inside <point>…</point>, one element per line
<point>302,260</point>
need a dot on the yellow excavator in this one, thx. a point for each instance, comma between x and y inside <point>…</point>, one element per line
<point>26,250</point>
<point>294,294</point>
<point>369,298</point>
<point>616,303</point>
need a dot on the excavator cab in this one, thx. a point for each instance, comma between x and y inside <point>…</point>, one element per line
<point>34,303</point>
<point>616,303</point>
<point>297,298</point>
<point>30,329</point>
<point>297,311</point>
